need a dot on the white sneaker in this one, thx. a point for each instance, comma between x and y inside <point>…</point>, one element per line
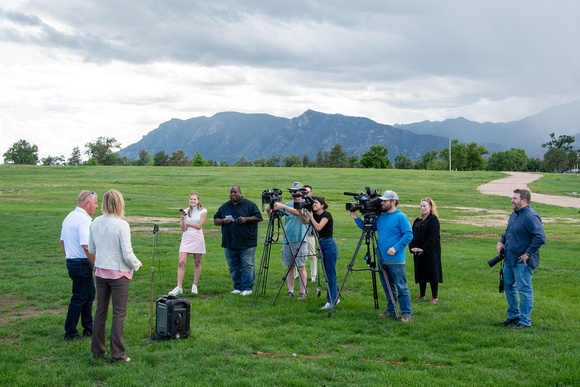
<point>246,292</point>
<point>194,289</point>
<point>176,292</point>
<point>328,305</point>
<point>313,278</point>
<point>235,291</point>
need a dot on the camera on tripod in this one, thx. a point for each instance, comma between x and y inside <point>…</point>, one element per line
<point>369,203</point>
<point>271,196</point>
<point>306,202</point>
<point>495,260</point>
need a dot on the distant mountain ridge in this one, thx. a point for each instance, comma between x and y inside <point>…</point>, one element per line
<point>228,136</point>
<point>528,134</point>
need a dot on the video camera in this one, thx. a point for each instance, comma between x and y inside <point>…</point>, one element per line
<point>306,202</point>
<point>369,203</point>
<point>271,196</point>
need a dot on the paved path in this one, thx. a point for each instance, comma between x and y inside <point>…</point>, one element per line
<point>506,186</point>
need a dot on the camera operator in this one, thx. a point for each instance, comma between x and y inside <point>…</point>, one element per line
<point>322,221</point>
<point>393,234</point>
<point>521,243</point>
<point>294,239</point>
<point>311,244</point>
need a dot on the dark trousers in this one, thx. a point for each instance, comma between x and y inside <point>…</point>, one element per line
<point>434,288</point>
<point>80,270</point>
<point>118,291</point>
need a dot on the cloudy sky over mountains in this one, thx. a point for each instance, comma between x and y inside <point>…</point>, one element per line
<point>71,71</point>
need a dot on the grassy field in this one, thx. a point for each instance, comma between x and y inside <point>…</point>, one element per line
<point>457,342</point>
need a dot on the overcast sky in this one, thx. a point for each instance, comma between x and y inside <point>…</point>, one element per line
<point>71,71</point>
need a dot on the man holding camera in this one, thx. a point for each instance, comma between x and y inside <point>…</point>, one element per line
<point>295,248</point>
<point>521,244</point>
<point>394,233</point>
<point>239,218</point>
<point>74,240</point>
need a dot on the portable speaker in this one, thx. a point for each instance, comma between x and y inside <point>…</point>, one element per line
<point>172,318</point>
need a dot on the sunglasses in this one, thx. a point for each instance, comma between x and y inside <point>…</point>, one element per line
<point>87,195</point>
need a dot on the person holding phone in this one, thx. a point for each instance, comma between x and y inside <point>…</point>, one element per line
<point>239,218</point>
<point>192,242</point>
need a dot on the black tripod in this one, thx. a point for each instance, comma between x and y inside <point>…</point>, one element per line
<point>155,231</point>
<point>274,219</point>
<point>370,237</point>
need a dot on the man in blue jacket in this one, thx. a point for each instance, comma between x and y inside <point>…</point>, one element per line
<point>394,233</point>
<point>521,244</point>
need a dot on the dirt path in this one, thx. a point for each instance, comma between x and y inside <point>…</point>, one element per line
<point>506,186</point>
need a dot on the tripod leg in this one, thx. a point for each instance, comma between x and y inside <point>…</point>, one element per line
<point>391,295</point>
<point>265,262</point>
<point>348,270</point>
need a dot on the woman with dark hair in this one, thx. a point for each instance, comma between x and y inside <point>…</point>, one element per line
<point>110,242</point>
<point>426,249</point>
<point>192,242</point>
<point>322,221</point>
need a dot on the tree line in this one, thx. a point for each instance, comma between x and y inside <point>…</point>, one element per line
<point>559,157</point>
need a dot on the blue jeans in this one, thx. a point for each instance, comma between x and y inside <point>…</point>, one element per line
<point>80,270</point>
<point>241,265</point>
<point>518,279</point>
<point>398,282</point>
<point>329,257</point>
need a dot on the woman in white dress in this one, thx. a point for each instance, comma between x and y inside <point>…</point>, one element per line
<point>192,242</point>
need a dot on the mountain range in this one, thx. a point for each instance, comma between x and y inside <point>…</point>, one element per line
<point>228,136</point>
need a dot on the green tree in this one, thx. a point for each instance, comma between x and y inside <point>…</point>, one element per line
<point>103,149</point>
<point>305,161</point>
<point>291,161</point>
<point>464,157</point>
<point>321,159</point>
<point>534,164</point>
<point>510,160</point>
<point>556,160</point>
<point>21,152</point>
<point>353,161</point>
<point>178,159</point>
<point>563,142</point>
<point>337,158</point>
<point>161,159</point>
<point>50,160</point>
<point>427,159</point>
<point>242,162</point>
<point>273,161</point>
<point>376,157</point>
<point>261,162</point>
<point>197,160</point>
<point>403,162</point>
<point>144,157</point>
<point>76,157</point>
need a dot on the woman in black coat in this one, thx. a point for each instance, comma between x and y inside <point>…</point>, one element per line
<point>426,249</point>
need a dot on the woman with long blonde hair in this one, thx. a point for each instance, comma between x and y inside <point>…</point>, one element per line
<point>192,242</point>
<point>110,242</point>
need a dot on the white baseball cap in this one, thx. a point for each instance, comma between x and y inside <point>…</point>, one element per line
<point>389,195</point>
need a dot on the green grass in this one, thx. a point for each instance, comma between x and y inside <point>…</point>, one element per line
<point>457,342</point>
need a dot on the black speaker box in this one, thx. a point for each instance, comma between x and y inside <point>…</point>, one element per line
<point>172,318</point>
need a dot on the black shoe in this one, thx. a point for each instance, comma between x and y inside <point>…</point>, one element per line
<point>510,321</point>
<point>87,334</point>
<point>520,326</point>
<point>73,338</point>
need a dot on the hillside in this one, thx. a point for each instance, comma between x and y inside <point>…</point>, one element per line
<point>230,135</point>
